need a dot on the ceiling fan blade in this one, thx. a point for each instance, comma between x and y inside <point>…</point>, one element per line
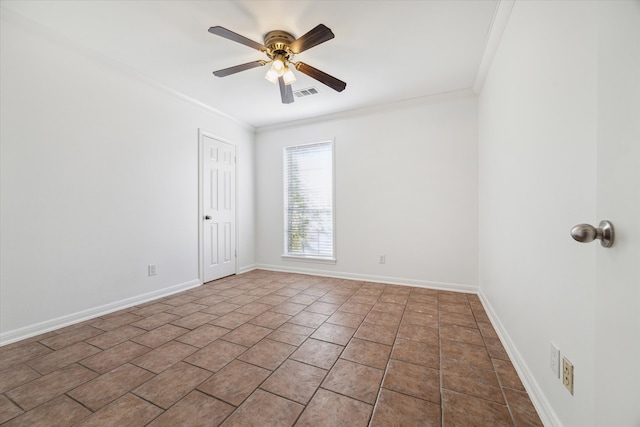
<point>232,70</point>
<point>321,76</point>
<point>228,34</point>
<point>286,93</point>
<point>314,37</point>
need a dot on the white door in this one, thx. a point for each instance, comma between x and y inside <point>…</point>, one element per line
<point>218,201</point>
<point>617,300</point>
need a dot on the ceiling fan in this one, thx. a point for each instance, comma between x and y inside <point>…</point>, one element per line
<point>280,47</point>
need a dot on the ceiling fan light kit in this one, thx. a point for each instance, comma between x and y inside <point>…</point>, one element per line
<point>280,47</point>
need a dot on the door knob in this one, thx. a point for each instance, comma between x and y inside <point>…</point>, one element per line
<point>207,217</point>
<point>587,233</point>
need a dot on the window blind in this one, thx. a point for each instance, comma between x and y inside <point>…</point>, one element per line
<point>309,200</point>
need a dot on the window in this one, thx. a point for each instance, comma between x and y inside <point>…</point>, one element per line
<point>308,202</point>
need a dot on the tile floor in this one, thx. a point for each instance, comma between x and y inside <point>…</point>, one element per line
<point>271,349</point>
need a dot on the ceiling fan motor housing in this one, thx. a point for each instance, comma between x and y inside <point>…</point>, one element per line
<point>277,43</point>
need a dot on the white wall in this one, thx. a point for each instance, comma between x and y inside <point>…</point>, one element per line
<point>406,187</point>
<point>99,179</point>
<point>540,150</point>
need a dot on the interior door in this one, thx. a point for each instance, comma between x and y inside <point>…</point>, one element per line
<point>218,201</point>
<point>618,200</point>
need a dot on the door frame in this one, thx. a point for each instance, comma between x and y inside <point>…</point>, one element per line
<point>201,135</point>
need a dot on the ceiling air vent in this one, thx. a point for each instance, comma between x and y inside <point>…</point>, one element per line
<point>306,92</point>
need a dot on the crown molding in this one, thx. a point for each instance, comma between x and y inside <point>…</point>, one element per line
<point>366,111</point>
<point>498,25</point>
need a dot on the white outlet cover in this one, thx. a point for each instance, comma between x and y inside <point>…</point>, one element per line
<point>554,360</point>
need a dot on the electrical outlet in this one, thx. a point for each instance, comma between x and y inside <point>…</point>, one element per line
<point>554,360</point>
<point>153,270</point>
<point>567,374</point>
<point>382,259</point>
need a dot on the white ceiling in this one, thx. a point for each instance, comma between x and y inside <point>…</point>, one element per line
<point>386,51</point>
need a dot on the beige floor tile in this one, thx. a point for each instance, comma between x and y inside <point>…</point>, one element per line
<point>396,409</point>
<point>344,318</point>
<point>108,387</point>
<point>329,409</point>
<point>267,348</point>
<point>382,318</point>
<point>216,355</point>
<point>16,376</point>
<point>295,381</point>
<point>522,410</point>
<point>354,380</point>
<point>459,319</point>
<point>115,336</point>
<point>194,320</point>
<point>308,319</point>
<point>289,308</point>
<point>129,410</point>
<point>468,379</point>
<point>61,358</point>
<point>419,333</point>
<point>235,382</point>
<point>317,353</point>
<point>194,410</point>
<point>263,409</point>
<point>334,333</point>
<point>186,309</point>
<point>155,321</point>
<point>48,387</point>
<point>114,356</point>
<point>16,353</point>
<point>417,353</point>
<point>156,337</point>
<point>462,410</point>
<point>367,353</point>
<point>203,335</point>
<point>356,307</point>
<point>322,308</point>
<point>270,319</point>
<point>73,336</point>
<point>172,385</point>
<point>461,352</point>
<point>61,411</point>
<point>164,356</point>
<point>268,354</point>
<point>115,320</point>
<point>462,334</point>
<point>8,409</point>
<point>232,320</point>
<point>414,380</point>
<point>507,374</point>
<point>247,334</point>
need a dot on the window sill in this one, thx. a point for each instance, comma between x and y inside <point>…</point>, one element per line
<point>308,258</point>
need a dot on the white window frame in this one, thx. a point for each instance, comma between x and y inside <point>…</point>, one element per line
<point>310,257</point>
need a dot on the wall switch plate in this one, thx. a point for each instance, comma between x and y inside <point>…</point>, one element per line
<point>567,374</point>
<point>554,360</point>
<point>382,259</point>
<point>153,269</point>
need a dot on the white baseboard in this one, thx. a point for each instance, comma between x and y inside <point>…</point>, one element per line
<point>247,268</point>
<point>547,415</point>
<point>369,278</point>
<point>70,319</point>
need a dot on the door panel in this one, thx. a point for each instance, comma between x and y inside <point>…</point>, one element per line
<point>219,210</point>
<point>618,200</point>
